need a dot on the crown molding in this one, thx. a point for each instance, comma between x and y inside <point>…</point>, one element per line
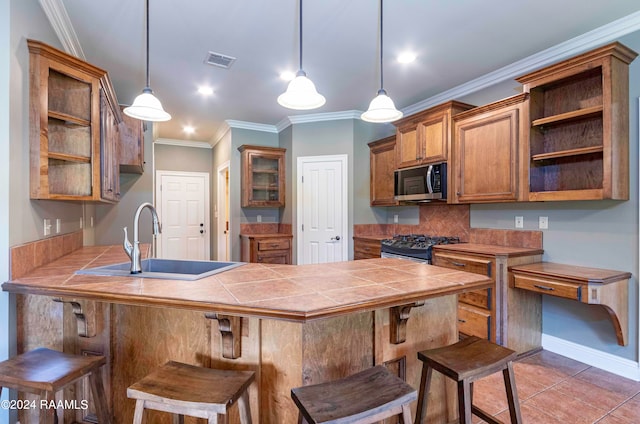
<point>251,126</point>
<point>317,117</point>
<point>59,19</point>
<point>183,143</point>
<point>604,34</point>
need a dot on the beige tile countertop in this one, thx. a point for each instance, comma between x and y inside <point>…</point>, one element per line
<point>290,292</point>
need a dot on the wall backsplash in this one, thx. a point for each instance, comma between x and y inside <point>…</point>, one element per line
<point>453,220</point>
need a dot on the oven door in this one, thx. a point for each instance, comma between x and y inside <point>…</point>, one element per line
<point>409,258</point>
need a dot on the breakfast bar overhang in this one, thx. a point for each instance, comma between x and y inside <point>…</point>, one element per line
<point>292,324</point>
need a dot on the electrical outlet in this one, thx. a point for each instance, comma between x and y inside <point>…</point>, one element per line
<point>58,225</point>
<point>543,222</point>
<point>259,218</point>
<point>519,221</point>
<point>47,227</point>
<point>395,218</point>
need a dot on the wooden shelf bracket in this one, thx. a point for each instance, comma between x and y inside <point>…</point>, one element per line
<point>231,331</point>
<point>398,322</point>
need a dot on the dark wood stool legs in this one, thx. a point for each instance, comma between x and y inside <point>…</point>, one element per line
<point>44,372</point>
<point>465,362</point>
<point>363,398</point>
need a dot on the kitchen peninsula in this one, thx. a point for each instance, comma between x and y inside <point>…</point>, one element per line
<point>292,325</point>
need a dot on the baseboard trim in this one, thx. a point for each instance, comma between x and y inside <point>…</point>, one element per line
<point>596,358</point>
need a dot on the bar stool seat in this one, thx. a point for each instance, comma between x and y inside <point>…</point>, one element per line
<point>366,397</point>
<point>44,372</point>
<point>195,391</point>
<point>465,362</point>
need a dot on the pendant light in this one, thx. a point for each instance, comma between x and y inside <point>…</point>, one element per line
<point>301,93</point>
<point>146,106</point>
<point>381,109</point>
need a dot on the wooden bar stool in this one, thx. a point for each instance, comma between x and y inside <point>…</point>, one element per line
<point>195,391</point>
<point>44,372</point>
<point>366,397</point>
<point>465,362</point>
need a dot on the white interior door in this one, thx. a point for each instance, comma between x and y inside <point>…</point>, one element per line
<point>183,200</point>
<point>322,209</point>
<point>222,214</point>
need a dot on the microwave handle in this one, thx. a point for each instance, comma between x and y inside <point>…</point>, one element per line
<point>429,177</point>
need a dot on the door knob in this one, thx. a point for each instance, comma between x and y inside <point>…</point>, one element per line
<point>335,238</point>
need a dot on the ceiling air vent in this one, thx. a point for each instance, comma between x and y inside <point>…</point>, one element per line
<point>220,60</point>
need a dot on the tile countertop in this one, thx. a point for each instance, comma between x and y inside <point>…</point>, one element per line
<point>290,292</point>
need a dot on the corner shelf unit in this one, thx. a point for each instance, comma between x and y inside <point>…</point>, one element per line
<point>263,177</point>
<point>579,130</point>
<point>65,130</point>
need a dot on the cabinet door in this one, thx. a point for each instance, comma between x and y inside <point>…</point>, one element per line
<point>432,136</point>
<point>407,146</point>
<point>487,163</point>
<point>131,151</point>
<point>109,135</point>
<point>263,176</point>
<point>382,166</point>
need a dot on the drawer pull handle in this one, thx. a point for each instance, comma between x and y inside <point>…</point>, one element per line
<point>462,320</point>
<point>543,287</point>
<point>273,245</point>
<point>458,264</point>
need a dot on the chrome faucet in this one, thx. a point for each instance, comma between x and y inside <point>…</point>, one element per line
<point>133,251</point>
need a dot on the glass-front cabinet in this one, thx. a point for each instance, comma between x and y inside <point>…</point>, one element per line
<point>263,178</point>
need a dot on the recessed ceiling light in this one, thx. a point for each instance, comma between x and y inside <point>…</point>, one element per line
<point>406,57</point>
<point>188,129</point>
<point>287,75</point>
<point>205,90</point>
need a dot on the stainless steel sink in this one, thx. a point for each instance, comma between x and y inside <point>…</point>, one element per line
<point>168,269</point>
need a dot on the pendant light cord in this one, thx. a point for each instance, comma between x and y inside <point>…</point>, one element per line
<point>147,22</point>
<point>299,35</point>
<point>381,44</point>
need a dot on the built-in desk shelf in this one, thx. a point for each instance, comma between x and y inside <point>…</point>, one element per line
<point>592,286</point>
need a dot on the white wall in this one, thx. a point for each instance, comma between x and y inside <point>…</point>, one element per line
<point>6,339</point>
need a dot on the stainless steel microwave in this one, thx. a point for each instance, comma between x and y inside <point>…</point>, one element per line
<point>421,183</point>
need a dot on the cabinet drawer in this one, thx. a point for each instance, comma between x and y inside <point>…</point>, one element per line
<point>464,263</point>
<point>474,321</point>
<point>554,288</point>
<point>274,258</point>
<point>479,298</point>
<point>366,249</point>
<point>275,244</point>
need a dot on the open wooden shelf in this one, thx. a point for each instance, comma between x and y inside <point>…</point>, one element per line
<point>566,117</point>
<point>69,158</point>
<point>69,119</point>
<point>567,153</point>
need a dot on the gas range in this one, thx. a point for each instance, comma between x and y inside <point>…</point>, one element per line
<point>415,247</point>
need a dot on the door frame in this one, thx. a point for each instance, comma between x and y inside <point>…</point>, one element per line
<point>223,243</point>
<point>207,204</point>
<point>301,160</point>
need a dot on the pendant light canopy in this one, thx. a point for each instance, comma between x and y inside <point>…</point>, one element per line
<point>301,93</point>
<point>381,109</point>
<point>146,106</point>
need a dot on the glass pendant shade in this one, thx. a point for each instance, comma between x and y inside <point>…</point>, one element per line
<point>301,94</point>
<point>147,108</point>
<point>381,109</point>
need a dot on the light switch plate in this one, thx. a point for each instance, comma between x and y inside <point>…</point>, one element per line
<point>519,221</point>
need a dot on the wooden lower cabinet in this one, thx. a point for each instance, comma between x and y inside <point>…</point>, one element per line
<point>366,248</point>
<point>501,314</point>
<point>266,248</point>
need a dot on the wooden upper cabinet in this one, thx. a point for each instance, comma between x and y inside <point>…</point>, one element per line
<point>425,137</point>
<point>488,153</point>
<point>131,150</point>
<point>263,176</point>
<point>110,119</point>
<point>382,157</point>
<point>578,127</point>
<point>65,127</point>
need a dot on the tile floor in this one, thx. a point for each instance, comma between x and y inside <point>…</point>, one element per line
<point>557,390</point>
